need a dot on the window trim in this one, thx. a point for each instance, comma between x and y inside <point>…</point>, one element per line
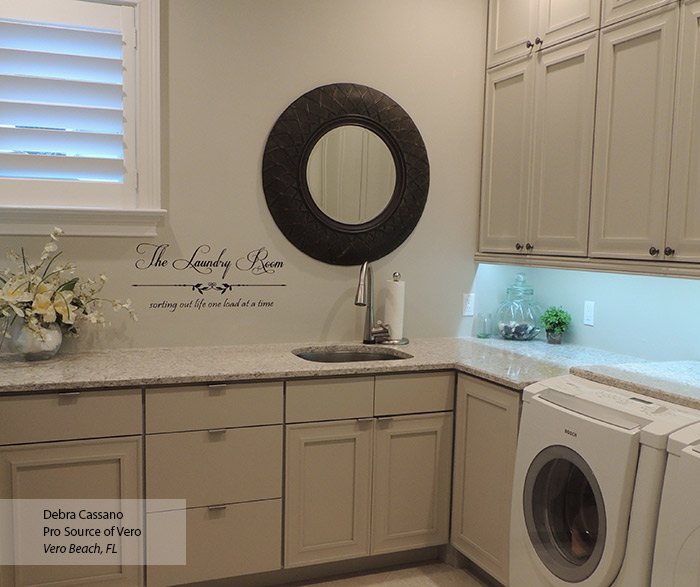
<point>143,219</point>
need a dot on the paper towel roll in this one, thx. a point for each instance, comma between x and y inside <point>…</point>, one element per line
<point>393,310</point>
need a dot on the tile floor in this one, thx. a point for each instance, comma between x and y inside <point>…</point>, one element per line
<point>427,575</point>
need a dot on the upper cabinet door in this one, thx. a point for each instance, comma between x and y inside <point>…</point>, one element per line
<point>617,10</point>
<point>565,92</point>
<point>518,27</point>
<point>507,157</point>
<point>512,29</point>
<point>633,136</point>
<point>559,21</point>
<point>683,230</point>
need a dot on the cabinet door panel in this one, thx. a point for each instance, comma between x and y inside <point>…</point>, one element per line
<point>412,471</point>
<point>563,148</point>
<point>617,10</point>
<point>633,136</point>
<point>506,158</point>
<point>511,24</point>
<point>238,539</point>
<point>96,469</point>
<point>486,432</point>
<point>68,415</point>
<point>558,21</point>
<point>683,230</point>
<point>202,407</point>
<point>221,466</point>
<point>414,393</point>
<point>335,399</point>
<point>328,490</point>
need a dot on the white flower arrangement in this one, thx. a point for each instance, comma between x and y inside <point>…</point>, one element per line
<point>50,294</point>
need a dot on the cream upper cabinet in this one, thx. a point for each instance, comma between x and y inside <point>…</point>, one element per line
<point>487,417</point>
<point>683,230</point>
<point>633,136</point>
<point>538,143</point>
<point>507,156</point>
<point>518,27</point>
<point>617,10</point>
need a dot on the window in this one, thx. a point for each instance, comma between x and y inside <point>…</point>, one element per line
<point>79,116</point>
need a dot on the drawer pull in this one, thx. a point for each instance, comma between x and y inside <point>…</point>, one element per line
<point>213,508</point>
<point>217,388</point>
<point>69,393</point>
<point>217,431</point>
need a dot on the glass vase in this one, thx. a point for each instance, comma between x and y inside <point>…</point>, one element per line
<point>35,345</point>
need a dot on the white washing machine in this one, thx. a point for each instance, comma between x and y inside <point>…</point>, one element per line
<point>589,466</point>
<point>677,551</point>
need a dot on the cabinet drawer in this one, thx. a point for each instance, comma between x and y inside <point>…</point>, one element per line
<point>329,399</point>
<point>220,466</point>
<point>213,406</point>
<point>413,393</point>
<point>235,540</point>
<point>69,415</point>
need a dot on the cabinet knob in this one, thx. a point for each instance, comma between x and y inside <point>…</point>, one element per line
<point>518,246</point>
<point>668,251</point>
<point>529,246</point>
<point>538,41</point>
<point>653,251</point>
<point>529,44</point>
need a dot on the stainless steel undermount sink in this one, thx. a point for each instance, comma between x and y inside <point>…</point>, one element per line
<point>346,354</point>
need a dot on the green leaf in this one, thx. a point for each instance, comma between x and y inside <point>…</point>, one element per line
<point>68,285</point>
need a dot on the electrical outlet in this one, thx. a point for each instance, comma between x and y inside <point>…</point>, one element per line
<point>588,313</point>
<point>468,304</point>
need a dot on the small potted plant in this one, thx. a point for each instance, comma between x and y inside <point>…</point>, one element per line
<point>556,321</point>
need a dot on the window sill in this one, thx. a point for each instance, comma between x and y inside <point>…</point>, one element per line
<point>31,220</point>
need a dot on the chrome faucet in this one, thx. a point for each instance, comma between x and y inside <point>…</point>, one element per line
<point>365,297</point>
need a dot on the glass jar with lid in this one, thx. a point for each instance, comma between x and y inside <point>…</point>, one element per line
<point>518,317</point>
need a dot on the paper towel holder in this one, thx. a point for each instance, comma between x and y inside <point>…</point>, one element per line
<point>394,341</point>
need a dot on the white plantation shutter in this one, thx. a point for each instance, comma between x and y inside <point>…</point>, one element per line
<point>66,122</point>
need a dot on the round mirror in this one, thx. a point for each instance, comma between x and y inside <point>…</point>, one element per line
<point>345,174</point>
<point>351,174</point>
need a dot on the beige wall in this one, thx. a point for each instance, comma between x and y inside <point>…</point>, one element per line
<point>230,67</point>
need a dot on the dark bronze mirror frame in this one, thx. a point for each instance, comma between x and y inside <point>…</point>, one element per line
<point>285,159</point>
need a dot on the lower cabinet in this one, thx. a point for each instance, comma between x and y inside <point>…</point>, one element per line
<point>225,541</point>
<point>328,491</point>
<point>369,485</point>
<point>412,473</point>
<point>38,461</point>
<point>218,447</point>
<point>486,432</point>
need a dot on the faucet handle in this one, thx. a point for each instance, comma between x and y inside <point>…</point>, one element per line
<point>381,331</point>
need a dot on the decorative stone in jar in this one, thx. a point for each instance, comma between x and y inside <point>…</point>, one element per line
<point>518,317</point>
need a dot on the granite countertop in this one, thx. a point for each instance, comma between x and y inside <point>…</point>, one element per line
<point>509,363</point>
<point>673,381</point>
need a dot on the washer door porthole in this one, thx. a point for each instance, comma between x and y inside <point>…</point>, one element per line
<point>564,513</point>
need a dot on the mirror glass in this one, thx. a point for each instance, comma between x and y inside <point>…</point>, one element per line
<point>351,174</point>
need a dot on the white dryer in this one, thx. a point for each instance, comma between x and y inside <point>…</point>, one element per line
<point>589,467</point>
<point>677,551</point>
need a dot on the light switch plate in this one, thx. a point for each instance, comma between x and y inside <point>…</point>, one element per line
<point>588,313</point>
